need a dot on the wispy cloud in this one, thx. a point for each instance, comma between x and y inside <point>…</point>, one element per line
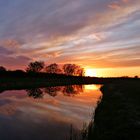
<point>115,6</point>
<point>98,33</point>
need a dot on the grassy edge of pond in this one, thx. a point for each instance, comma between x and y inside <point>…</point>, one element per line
<point>15,83</point>
<point>117,116</point>
<point>12,81</point>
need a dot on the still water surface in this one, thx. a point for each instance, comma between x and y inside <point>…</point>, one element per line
<point>46,113</point>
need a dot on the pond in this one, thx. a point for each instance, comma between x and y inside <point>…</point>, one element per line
<point>46,113</point>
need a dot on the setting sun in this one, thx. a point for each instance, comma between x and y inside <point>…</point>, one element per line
<point>90,72</point>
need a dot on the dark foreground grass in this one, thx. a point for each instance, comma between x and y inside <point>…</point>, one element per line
<point>117,116</point>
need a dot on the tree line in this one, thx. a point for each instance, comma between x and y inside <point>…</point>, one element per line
<point>39,66</point>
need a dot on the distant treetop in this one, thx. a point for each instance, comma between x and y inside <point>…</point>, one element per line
<point>36,66</point>
<point>2,69</point>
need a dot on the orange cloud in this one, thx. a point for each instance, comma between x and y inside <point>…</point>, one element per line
<point>125,1</point>
<point>114,5</point>
<point>10,43</point>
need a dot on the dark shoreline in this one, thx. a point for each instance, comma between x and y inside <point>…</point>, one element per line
<point>117,116</point>
<point>14,80</point>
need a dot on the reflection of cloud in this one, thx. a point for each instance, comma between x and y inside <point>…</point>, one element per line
<point>8,109</point>
<point>62,108</point>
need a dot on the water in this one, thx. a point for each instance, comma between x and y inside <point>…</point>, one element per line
<point>46,113</point>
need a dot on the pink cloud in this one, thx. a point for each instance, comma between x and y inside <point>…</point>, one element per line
<point>10,43</point>
<point>125,1</point>
<point>114,5</point>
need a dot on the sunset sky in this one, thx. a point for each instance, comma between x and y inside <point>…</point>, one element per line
<point>103,35</point>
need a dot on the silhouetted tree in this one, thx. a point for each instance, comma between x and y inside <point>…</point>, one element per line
<point>72,69</point>
<point>79,71</point>
<point>53,68</point>
<point>69,69</point>
<point>2,69</point>
<point>36,66</point>
<point>136,77</point>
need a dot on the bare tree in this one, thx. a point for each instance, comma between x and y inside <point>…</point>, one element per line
<point>36,66</point>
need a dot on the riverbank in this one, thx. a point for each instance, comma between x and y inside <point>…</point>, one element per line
<point>22,80</point>
<point>15,83</point>
<point>117,116</point>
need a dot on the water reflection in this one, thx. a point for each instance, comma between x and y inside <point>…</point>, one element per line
<point>52,91</point>
<point>35,93</point>
<point>70,90</point>
<point>46,113</point>
<point>91,87</point>
<point>1,91</point>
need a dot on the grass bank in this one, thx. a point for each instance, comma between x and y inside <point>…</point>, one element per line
<point>21,80</point>
<point>15,83</point>
<point>117,116</point>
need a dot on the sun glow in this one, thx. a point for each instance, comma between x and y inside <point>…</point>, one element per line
<point>91,87</point>
<point>90,72</point>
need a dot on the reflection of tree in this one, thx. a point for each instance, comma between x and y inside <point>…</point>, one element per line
<point>2,90</point>
<point>72,90</point>
<point>35,93</point>
<point>79,88</point>
<point>69,90</point>
<point>66,90</point>
<point>52,91</point>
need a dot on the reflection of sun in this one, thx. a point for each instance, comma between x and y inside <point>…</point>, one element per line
<point>90,72</point>
<point>91,87</point>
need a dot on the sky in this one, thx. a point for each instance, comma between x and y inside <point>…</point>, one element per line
<point>103,35</point>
